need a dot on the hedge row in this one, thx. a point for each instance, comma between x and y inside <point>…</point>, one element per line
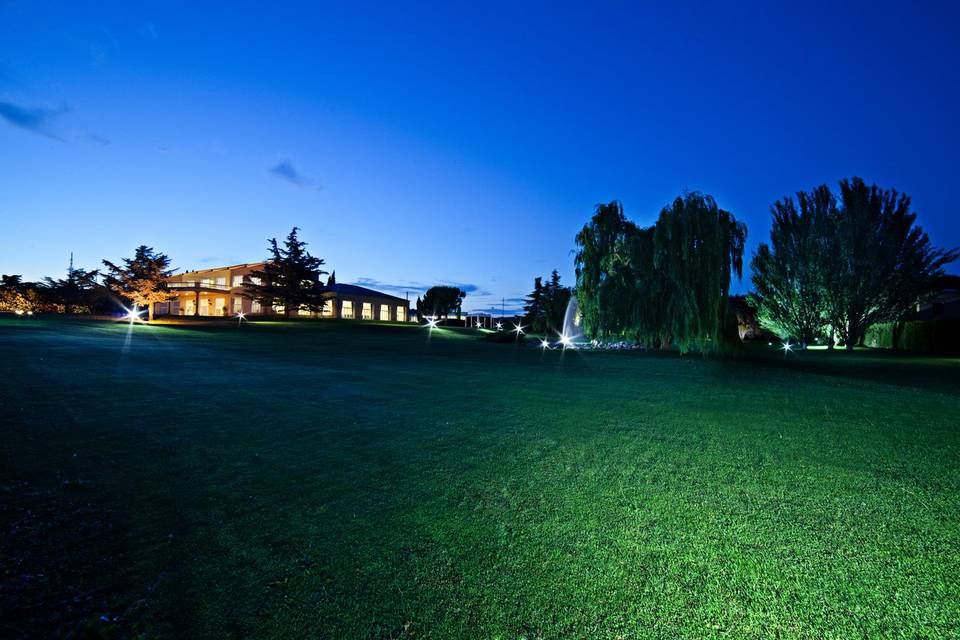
<point>918,336</point>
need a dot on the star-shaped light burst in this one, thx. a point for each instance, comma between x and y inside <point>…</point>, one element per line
<point>544,344</point>
<point>499,326</point>
<point>566,341</point>
<point>518,329</point>
<point>787,347</point>
<point>432,323</point>
<point>241,316</point>
<point>134,314</point>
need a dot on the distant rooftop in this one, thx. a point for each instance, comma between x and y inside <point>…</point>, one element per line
<point>360,291</point>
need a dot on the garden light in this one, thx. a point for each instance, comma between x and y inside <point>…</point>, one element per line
<point>432,323</point>
<point>134,314</point>
<point>499,326</point>
<point>544,344</point>
<point>518,328</point>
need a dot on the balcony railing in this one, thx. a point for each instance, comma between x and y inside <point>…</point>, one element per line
<point>197,284</point>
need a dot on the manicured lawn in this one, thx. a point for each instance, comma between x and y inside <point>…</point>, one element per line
<point>332,480</point>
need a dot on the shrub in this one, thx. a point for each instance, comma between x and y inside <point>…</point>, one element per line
<point>940,337</point>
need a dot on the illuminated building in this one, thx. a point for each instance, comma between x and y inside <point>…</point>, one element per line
<point>220,292</point>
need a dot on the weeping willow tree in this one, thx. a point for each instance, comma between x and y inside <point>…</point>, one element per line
<point>664,284</point>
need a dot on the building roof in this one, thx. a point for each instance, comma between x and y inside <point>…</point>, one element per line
<point>233,266</point>
<point>352,289</point>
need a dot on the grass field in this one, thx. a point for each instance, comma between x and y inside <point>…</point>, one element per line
<point>328,480</point>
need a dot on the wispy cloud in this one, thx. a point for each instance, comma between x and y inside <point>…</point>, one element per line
<point>149,30</point>
<point>418,288</point>
<point>284,170</point>
<point>37,120</point>
<point>96,138</point>
<point>497,311</point>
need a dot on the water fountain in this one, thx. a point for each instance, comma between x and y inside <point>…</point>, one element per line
<point>572,322</point>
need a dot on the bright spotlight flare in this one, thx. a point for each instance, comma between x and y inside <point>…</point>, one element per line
<point>499,326</point>
<point>134,314</point>
<point>241,316</point>
<point>432,323</point>
<point>518,329</point>
<point>566,341</point>
<point>787,347</point>
<point>544,344</point>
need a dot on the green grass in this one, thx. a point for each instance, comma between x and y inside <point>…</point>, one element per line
<point>347,480</point>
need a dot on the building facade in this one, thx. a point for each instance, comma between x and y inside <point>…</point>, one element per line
<point>219,292</point>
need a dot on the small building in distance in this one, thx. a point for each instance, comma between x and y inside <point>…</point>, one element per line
<point>219,292</point>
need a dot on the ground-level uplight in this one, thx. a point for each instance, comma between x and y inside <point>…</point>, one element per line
<point>544,344</point>
<point>518,328</point>
<point>566,341</point>
<point>499,326</point>
<point>787,347</point>
<point>432,323</point>
<point>19,312</point>
<point>134,314</point>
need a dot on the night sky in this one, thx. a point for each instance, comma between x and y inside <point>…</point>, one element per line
<point>417,145</point>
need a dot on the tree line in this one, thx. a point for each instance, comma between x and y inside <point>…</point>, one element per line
<point>839,263</point>
<point>835,265</point>
<point>664,284</point>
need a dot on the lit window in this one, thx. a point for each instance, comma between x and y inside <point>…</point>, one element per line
<point>237,305</point>
<point>347,311</point>
<point>255,280</point>
<point>256,307</point>
<point>328,308</point>
<point>279,308</point>
<point>304,311</point>
<point>206,282</point>
<point>367,312</point>
<point>401,314</point>
<point>222,281</point>
<point>384,313</point>
<point>237,281</point>
<point>204,306</point>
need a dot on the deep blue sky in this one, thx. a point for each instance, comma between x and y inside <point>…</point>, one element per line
<point>466,144</point>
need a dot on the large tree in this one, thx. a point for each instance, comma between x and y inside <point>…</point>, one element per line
<point>75,291</point>
<point>665,284</point>
<point>533,309</point>
<point>556,298</point>
<point>879,261</point>
<point>546,305</point>
<point>843,264</point>
<point>19,296</point>
<point>607,273</point>
<point>141,279</point>
<point>290,277</point>
<point>790,275</point>
<point>441,301</point>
